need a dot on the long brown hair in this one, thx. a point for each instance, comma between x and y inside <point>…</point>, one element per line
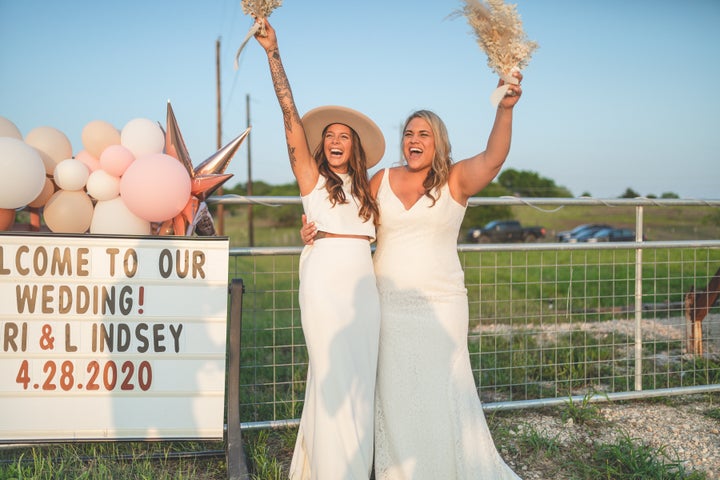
<point>357,169</point>
<point>439,171</point>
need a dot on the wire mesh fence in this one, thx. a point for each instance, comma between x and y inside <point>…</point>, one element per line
<point>547,321</point>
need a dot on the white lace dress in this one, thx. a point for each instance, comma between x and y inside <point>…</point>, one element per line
<point>429,422</point>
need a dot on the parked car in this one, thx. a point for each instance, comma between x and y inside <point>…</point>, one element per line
<point>612,235</point>
<point>585,228</point>
<point>587,233</point>
<point>501,231</point>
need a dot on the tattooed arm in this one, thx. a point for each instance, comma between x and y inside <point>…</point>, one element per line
<point>301,160</point>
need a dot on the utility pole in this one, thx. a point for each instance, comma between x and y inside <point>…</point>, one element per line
<point>221,207</point>
<point>251,230</point>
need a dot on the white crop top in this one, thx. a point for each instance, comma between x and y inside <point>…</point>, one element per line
<point>343,218</point>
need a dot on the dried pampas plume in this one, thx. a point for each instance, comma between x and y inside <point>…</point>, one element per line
<point>256,9</point>
<point>500,34</point>
<point>259,8</point>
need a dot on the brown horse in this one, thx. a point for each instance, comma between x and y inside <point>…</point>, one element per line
<point>697,305</point>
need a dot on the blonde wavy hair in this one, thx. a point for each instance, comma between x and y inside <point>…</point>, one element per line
<point>439,171</point>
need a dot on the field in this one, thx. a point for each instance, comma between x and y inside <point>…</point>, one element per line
<point>269,450</point>
<point>660,223</point>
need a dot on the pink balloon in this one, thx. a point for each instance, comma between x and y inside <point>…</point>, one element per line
<point>115,159</point>
<point>155,187</point>
<point>88,159</point>
<point>68,212</point>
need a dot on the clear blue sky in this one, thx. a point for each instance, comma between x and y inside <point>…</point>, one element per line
<point>621,93</point>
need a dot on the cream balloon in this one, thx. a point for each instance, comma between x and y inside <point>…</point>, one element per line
<point>52,143</point>
<point>142,137</point>
<point>8,129</point>
<point>103,186</point>
<point>44,196</point>
<point>22,173</point>
<point>98,135</point>
<point>71,174</point>
<point>68,212</point>
<point>113,217</point>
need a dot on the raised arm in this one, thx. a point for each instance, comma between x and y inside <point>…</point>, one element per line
<point>471,175</point>
<point>301,160</point>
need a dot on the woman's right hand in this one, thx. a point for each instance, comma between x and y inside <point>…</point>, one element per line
<point>265,35</point>
<point>308,231</point>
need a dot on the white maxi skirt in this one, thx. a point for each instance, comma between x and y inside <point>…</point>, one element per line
<point>340,314</point>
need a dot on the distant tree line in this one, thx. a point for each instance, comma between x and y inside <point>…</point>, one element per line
<point>511,182</point>
<point>263,215</point>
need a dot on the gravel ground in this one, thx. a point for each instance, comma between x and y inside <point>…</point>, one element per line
<point>677,424</point>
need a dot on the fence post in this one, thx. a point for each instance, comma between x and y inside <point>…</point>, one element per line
<point>234,453</point>
<point>638,297</point>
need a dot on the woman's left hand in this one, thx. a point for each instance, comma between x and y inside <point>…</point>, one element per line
<point>514,91</point>
<point>308,231</point>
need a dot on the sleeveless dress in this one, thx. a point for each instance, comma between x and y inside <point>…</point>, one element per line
<point>340,315</point>
<point>429,422</point>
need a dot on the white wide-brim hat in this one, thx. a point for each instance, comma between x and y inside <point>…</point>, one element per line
<point>371,137</point>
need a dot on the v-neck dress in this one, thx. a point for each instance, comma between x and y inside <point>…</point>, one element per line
<point>429,422</point>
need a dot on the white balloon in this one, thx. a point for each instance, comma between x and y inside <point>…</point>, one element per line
<point>71,174</point>
<point>142,136</point>
<point>113,217</point>
<point>22,173</point>
<point>103,186</point>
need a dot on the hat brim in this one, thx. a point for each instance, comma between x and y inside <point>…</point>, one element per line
<point>371,137</point>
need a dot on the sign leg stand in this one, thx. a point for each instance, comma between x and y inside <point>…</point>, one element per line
<point>234,452</point>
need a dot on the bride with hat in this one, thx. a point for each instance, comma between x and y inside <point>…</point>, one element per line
<point>330,150</point>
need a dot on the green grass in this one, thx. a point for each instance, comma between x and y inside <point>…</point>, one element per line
<point>713,413</point>
<point>112,460</point>
<point>583,412</point>
<point>508,284</point>
<point>529,440</point>
<point>266,465</point>
<point>628,458</point>
<point>269,453</point>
